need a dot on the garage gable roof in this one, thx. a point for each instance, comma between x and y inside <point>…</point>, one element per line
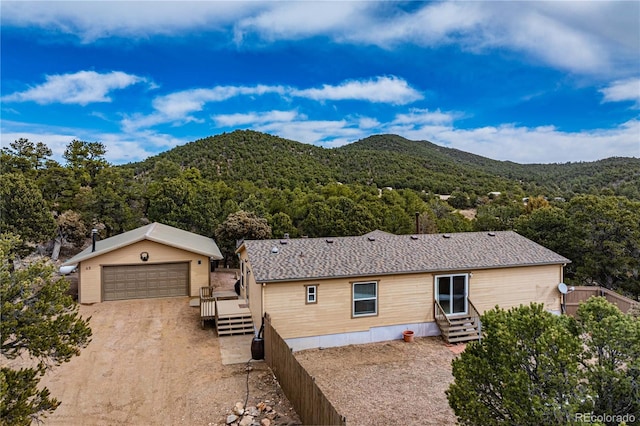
<point>381,253</point>
<point>156,232</point>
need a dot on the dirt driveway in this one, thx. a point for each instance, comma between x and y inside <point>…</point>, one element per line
<point>151,363</point>
<point>387,383</point>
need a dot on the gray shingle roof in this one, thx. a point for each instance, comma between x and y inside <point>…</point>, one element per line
<point>380,253</point>
<point>157,232</point>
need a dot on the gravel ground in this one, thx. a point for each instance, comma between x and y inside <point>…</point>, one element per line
<point>388,383</point>
<point>150,363</point>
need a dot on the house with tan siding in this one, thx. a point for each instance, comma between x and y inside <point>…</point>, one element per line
<point>323,292</point>
<point>155,260</point>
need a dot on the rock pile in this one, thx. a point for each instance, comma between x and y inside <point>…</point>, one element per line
<point>261,414</point>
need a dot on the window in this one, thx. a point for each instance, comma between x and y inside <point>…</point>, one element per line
<point>365,299</point>
<point>312,294</point>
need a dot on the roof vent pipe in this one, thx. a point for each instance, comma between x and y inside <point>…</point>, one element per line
<point>94,232</point>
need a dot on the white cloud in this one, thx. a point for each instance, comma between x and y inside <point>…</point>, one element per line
<point>582,37</point>
<point>180,104</point>
<point>367,123</point>
<point>585,37</point>
<point>121,147</point>
<point>544,144</point>
<point>317,132</point>
<point>82,88</point>
<point>431,25</point>
<point>180,107</point>
<point>296,20</point>
<point>256,118</point>
<point>623,90</point>
<point>57,142</point>
<point>93,20</point>
<point>126,148</point>
<point>420,117</point>
<point>554,41</point>
<point>392,90</point>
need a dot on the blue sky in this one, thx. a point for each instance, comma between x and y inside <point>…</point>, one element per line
<point>530,82</point>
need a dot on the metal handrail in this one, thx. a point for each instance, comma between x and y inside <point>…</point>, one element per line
<point>440,312</point>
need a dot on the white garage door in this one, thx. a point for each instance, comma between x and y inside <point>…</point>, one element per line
<point>145,281</point>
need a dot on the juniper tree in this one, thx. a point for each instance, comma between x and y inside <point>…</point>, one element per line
<point>533,367</point>
<point>40,322</point>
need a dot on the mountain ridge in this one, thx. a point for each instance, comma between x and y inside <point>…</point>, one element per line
<point>391,161</point>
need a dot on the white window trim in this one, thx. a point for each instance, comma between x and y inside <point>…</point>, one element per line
<point>308,293</point>
<point>436,292</point>
<point>353,300</point>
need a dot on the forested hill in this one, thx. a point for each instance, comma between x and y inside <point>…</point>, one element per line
<point>618,174</point>
<point>247,184</point>
<point>391,161</point>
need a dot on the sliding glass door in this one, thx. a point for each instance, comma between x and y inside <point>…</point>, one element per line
<point>451,293</point>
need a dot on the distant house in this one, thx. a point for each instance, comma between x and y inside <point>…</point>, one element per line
<point>155,260</point>
<point>322,292</point>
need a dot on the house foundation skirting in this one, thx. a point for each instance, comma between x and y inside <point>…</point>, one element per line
<point>374,334</point>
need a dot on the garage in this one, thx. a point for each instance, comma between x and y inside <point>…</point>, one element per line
<point>145,281</point>
<point>155,260</point>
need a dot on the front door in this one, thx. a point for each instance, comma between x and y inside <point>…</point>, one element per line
<point>451,293</point>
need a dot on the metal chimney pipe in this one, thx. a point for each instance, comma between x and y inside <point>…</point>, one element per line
<point>94,232</point>
<point>417,222</point>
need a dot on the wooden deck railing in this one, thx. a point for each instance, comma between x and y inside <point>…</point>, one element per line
<point>474,313</point>
<point>458,327</point>
<point>582,293</point>
<point>440,314</point>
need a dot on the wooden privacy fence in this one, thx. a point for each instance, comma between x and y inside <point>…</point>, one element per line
<point>310,403</point>
<point>580,294</point>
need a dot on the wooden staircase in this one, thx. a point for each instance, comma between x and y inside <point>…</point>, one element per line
<point>233,317</point>
<point>459,328</point>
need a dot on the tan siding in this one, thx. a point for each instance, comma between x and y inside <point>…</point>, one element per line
<point>512,287</point>
<point>401,299</point>
<point>90,270</point>
<point>253,292</point>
